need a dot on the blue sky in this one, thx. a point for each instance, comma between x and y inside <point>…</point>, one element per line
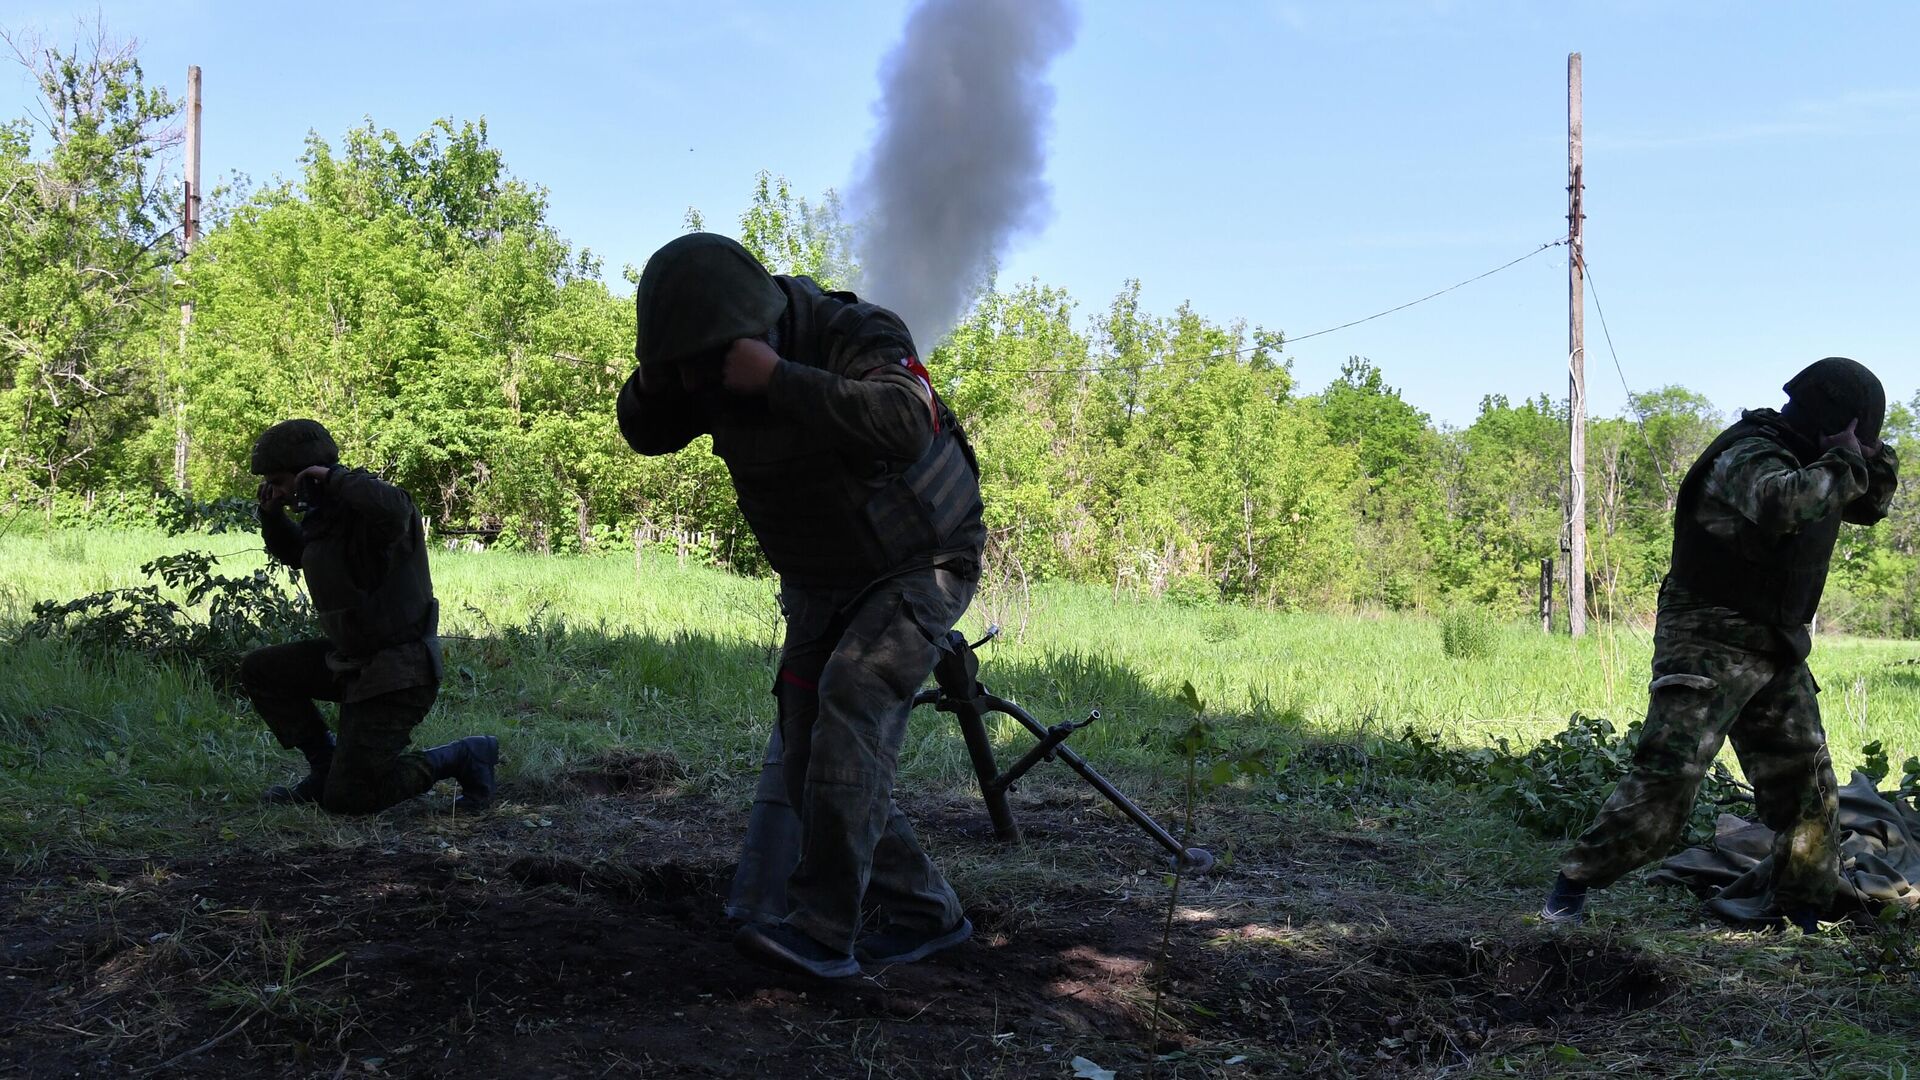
<point>1750,166</point>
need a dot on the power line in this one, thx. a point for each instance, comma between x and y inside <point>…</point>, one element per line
<point>1284,340</point>
<point>1189,361</point>
<point>1640,416</point>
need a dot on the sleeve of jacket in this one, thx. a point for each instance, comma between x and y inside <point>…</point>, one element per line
<point>281,534</point>
<point>387,509</point>
<point>1763,482</point>
<point>1883,479</point>
<point>867,395</point>
<point>654,422</point>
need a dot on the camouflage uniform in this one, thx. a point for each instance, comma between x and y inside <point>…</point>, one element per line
<point>363,551</point>
<point>844,691</point>
<point>861,489</point>
<point>1722,670</point>
<point>370,769</point>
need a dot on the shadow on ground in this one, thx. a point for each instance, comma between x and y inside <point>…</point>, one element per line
<point>498,947</point>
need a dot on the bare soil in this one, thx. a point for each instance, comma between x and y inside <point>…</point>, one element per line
<point>583,937</point>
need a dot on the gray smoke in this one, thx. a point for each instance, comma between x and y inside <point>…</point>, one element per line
<point>955,172</point>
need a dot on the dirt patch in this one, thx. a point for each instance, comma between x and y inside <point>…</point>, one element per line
<point>651,772</point>
<point>667,888</point>
<point>478,959</point>
<point>1538,980</point>
<point>1435,1001</point>
<point>427,966</point>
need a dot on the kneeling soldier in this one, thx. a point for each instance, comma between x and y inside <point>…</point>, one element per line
<point>1754,529</point>
<point>863,493</point>
<point>363,549</point>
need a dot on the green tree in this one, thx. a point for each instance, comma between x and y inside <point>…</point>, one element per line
<point>85,243</point>
<point>1875,587</point>
<point>793,236</point>
<point>1505,497</point>
<point>411,294</point>
<point>1400,456</point>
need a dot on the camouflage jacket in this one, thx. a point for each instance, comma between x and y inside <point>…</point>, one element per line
<point>850,468</point>
<point>363,553</point>
<point>1756,484</point>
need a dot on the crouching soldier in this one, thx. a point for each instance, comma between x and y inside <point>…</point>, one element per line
<point>362,547</point>
<point>1754,529</point>
<point>865,498</point>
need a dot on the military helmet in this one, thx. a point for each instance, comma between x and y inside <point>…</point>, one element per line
<point>292,445</point>
<point>1836,391</point>
<point>697,293</point>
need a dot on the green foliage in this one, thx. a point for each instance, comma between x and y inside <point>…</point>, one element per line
<point>1211,758</point>
<point>1210,764</point>
<point>656,654</point>
<point>792,236</point>
<point>1401,457</point>
<point>1555,787</point>
<point>282,985</point>
<point>1193,591</point>
<point>178,514</point>
<point>85,243</point>
<point>1875,584</point>
<point>411,293</point>
<point>1889,952</point>
<point>1877,766</point>
<point>235,614</point>
<point>1468,633</point>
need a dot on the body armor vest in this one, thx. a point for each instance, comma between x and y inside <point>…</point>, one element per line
<point>368,594</point>
<point>827,518</point>
<point>1776,580</point>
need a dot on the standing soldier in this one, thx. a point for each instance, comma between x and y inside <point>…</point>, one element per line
<point>1753,530</point>
<point>864,495</point>
<point>363,549</point>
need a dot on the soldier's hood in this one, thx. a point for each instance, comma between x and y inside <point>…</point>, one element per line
<point>1829,394</point>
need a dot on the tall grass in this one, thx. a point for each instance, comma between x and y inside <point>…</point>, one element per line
<point>566,657</point>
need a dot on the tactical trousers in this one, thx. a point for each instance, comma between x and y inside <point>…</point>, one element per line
<point>845,689</point>
<point>372,769</point>
<point>1705,691</point>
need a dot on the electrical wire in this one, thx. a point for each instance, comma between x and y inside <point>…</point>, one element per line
<point>1640,416</point>
<point>1189,361</point>
<point>1284,340</point>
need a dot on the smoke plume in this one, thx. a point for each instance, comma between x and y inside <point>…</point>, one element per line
<point>955,171</point>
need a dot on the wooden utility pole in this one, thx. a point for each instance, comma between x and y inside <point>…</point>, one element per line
<point>1576,364</point>
<point>189,229</point>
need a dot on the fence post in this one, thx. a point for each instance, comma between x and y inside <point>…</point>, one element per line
<point>1546,595</point>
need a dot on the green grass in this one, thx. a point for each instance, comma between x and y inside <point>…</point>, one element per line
<point>568,657</point>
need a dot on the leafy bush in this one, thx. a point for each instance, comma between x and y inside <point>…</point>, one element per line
<point>1468,633</point>
<point>1890,951</point>
<point>1878,767</point>
<point>1224,627</point>
<point>1556,787</point>
<point>178,514</point>
<point>1193,591</point>
<point>242,613</point>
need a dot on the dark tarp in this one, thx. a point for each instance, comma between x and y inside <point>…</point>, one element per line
<point>1879,860</point>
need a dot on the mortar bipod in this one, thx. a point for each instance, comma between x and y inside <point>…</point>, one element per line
<point>957,689</point>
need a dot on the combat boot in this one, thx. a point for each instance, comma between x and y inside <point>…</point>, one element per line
<point>1805,919</point>
<point>896,946</point>
<point>778,945</point>
<point>319,755</point>
<point>470,761</point>
<point>1566,902</point>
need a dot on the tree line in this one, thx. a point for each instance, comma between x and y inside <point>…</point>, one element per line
<point>412,295</point>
